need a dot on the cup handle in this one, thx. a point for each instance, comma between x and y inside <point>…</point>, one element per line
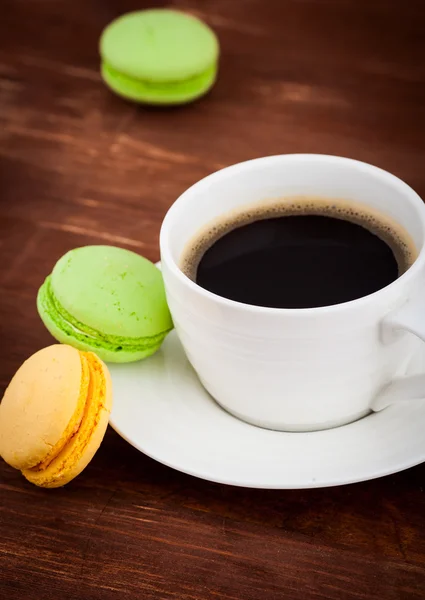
<point>410,317</point>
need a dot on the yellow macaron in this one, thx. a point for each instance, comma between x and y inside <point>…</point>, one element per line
<point>54,414</point>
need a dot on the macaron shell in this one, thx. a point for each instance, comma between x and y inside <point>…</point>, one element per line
<point>159,45</point>
<point>106,354</point>
<point>113,291</point>
<point>176,93</point>
<point>84,444</point>
<point>38,405</point>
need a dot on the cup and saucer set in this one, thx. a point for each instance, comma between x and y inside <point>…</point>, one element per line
<point>284,398</point>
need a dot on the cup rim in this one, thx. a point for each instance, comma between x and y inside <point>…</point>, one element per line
<point>168,259</point>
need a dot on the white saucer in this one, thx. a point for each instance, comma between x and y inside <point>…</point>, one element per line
<point>161,409</point>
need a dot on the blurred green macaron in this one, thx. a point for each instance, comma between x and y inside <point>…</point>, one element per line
<point>159,57</point>
<point>106,300</point>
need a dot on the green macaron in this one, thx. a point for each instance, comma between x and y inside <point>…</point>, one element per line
<point>107,300</point>
<point>159,56</point>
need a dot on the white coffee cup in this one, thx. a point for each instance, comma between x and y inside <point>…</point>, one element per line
<point>299,369</point>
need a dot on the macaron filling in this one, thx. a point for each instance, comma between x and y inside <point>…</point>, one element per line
<point>78,435</point>
<point>159,90</point>
<point>86,334</point>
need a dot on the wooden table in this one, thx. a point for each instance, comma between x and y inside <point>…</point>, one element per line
<point>80,166</point>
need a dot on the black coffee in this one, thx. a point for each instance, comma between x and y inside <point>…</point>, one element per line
<point>302,255</point>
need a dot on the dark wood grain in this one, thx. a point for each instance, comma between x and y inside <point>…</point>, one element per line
<point>78,166</point>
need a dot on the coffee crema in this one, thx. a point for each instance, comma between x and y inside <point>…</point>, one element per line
<point>300,252</point>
